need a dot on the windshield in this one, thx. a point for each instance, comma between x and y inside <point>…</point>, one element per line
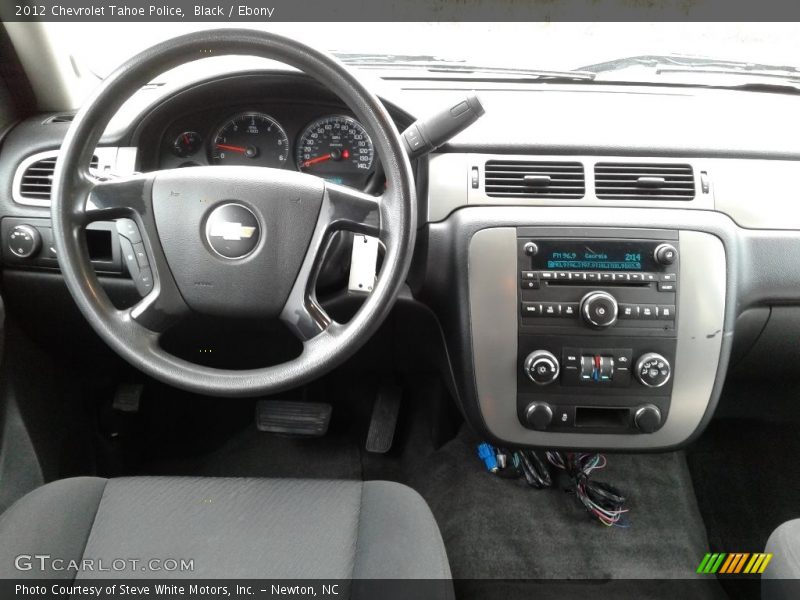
<point>98,48</point>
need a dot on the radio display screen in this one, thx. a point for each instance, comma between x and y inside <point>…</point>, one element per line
<point>596,255</point>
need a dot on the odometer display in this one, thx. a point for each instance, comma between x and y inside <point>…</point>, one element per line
<point>338,149</point>
<point>252,139</point>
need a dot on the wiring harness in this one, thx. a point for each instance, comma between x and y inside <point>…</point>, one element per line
<point>602,500</point>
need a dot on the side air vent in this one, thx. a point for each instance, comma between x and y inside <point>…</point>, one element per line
<point>643,181</point>
<point>60,118</point>
<point>37,179</point>
<point>532,179</point>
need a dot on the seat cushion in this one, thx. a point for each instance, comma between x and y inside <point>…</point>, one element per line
<point>781,579</point>
<point>229,528</point>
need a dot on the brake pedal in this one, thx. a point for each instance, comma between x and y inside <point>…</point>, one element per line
<point>383,423</point>
<point>309,419</point>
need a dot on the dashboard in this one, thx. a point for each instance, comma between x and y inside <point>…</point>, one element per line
<point>587,276</point>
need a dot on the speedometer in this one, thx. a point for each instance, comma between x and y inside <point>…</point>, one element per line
<point>252,139</point>
<point>338,149</point>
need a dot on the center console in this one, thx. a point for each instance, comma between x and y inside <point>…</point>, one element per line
<point>596,330</point>
<point>604,337</point>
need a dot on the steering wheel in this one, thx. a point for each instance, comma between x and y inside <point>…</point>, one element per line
<point>230,241</point>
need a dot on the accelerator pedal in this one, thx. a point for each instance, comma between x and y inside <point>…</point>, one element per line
<point>384,419</point>
<point>309,419</point>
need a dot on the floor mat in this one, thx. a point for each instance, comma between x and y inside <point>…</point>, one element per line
<point>252,453</point>
<point>747,480</point>
<point>500,528</point>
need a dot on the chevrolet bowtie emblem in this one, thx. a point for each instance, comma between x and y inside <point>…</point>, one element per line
<point>231,231</point>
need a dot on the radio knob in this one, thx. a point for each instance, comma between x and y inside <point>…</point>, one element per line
<point>539,415</point>
<point>647,418</point>
<point>652,370</point>
<point>599,309</point>
<point>24,241</point>
<point>542,367</point>
<point>665,254</point>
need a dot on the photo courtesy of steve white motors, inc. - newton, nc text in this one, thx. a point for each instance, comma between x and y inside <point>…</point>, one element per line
<point>399,299</point>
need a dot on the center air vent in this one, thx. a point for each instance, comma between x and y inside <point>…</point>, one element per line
<point>643,181</point>
<point>530,179</point>
<point>37,179</point>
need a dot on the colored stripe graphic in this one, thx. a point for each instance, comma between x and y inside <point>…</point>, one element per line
<point>734,563</point>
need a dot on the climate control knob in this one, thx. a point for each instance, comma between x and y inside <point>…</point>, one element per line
<point>599,309</point>
<point>538,415</point>
<point>541,367</point>
<point>652,370</point>
<point>24,241</point>
<point>647,418</point>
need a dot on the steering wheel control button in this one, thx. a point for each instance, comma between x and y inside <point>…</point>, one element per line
<point>539,415</point>
<point>141,255</point>
<point>653,370</point>
<point>599,309</point>
<point>232,231</point>
<point>541,367</point>
<point>665,254</point>
<point>647,418</point>
<point>127,228</point>
<point>24,241</point>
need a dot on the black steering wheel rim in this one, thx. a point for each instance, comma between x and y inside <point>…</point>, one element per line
<point>134,333</point>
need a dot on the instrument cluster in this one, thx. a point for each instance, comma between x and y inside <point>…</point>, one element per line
<point>333,145</point>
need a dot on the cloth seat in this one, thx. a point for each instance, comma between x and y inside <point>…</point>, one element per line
<point>231,528</point>
<point>781,578</point>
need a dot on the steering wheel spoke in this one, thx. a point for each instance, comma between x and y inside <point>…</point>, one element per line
<point>109,198</point>
<point>352,210</point>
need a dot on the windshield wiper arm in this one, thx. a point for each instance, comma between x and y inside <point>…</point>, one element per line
<point>433,64</point>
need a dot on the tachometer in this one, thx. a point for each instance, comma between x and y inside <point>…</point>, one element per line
<point>252,139</point>
<point>338,149</point>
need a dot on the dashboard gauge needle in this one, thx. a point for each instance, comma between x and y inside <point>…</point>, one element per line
<point>318,159</point>
<point>232,148</point>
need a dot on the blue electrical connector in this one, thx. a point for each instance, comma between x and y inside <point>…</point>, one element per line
<point>487,454</point>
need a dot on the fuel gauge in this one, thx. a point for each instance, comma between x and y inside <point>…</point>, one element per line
<point>187,143</point>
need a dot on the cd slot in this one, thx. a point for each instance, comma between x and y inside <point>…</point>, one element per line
<point>643,284</point>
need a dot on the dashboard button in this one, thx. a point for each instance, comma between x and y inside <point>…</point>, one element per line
<point>650,277</point>
<point>628,311</point>
<point>529,284</point>
<point>648,311</point>
<point>529,275</point>
<point>622,277</point>
<point>531,309</point>
<point>569,309</point>
<point>668,277</point>
<point>666,312</point>
<point>551,309</point>
<point>666,286</point>
<point>547,275</point>
<point>606,276</point>
<point>577,276</point>
<point>593,277</point>
<point>637,277</point>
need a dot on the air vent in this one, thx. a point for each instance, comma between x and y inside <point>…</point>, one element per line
<point>60,118</point>
<point>531,179</point>
<point>643,181</point>
<point>37,179</point>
